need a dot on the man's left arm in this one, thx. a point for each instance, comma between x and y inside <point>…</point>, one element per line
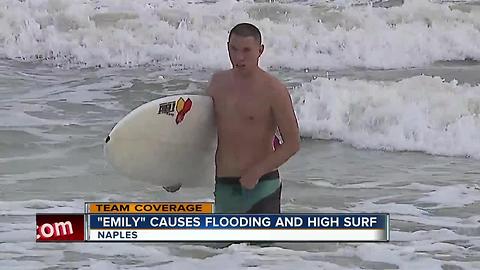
<point>286,121</point>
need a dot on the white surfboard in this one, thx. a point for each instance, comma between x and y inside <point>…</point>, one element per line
<point>168,141</point>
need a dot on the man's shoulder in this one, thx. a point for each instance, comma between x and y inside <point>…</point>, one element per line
<point>274,84</point>
<point>217,81</point>
<point>221,75</point>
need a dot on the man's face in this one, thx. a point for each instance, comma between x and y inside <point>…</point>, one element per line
<point>244,52</point>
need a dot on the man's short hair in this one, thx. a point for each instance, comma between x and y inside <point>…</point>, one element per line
<point>246,30</point>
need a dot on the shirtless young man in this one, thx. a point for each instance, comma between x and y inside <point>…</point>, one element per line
<point>249,105</point>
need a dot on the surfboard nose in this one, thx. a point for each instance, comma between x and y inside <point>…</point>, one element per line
<point>107,139</point>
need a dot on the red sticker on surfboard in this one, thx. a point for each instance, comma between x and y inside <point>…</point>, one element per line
<point>183,107</point>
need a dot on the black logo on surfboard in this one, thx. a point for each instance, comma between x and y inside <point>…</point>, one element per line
<point>166,108</point>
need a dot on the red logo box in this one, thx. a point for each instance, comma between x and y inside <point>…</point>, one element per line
<point>60,227</point>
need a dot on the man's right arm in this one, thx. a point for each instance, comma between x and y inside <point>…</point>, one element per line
<point>213,85</point>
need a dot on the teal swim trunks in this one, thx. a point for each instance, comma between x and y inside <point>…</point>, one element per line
<point>232,198</point>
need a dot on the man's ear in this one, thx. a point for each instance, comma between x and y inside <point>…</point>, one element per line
<point>262,48</point>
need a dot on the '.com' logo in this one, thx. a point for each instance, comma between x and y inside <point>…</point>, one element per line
<point>48,230</point>
<point>60,227</point>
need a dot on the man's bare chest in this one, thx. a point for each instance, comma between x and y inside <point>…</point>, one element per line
<point>246,106</point>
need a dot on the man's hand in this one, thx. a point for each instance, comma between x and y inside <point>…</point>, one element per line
<point>250,179</point>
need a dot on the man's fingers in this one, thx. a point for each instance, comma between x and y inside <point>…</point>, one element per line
<point>246,184</point>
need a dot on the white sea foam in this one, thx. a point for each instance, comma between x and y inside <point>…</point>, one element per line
<point>61,172</point>
<point>452,196</point>
<point>192,34</point>
<point>415,114</point>
<point>30,207</point>
<point>410,213</point>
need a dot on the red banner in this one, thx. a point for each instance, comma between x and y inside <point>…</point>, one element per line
<point>60,227</point>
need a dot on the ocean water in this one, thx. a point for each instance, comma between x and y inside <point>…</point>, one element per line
<point>387,94</point>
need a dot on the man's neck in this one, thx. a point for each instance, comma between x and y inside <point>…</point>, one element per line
<point>246,75</point>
